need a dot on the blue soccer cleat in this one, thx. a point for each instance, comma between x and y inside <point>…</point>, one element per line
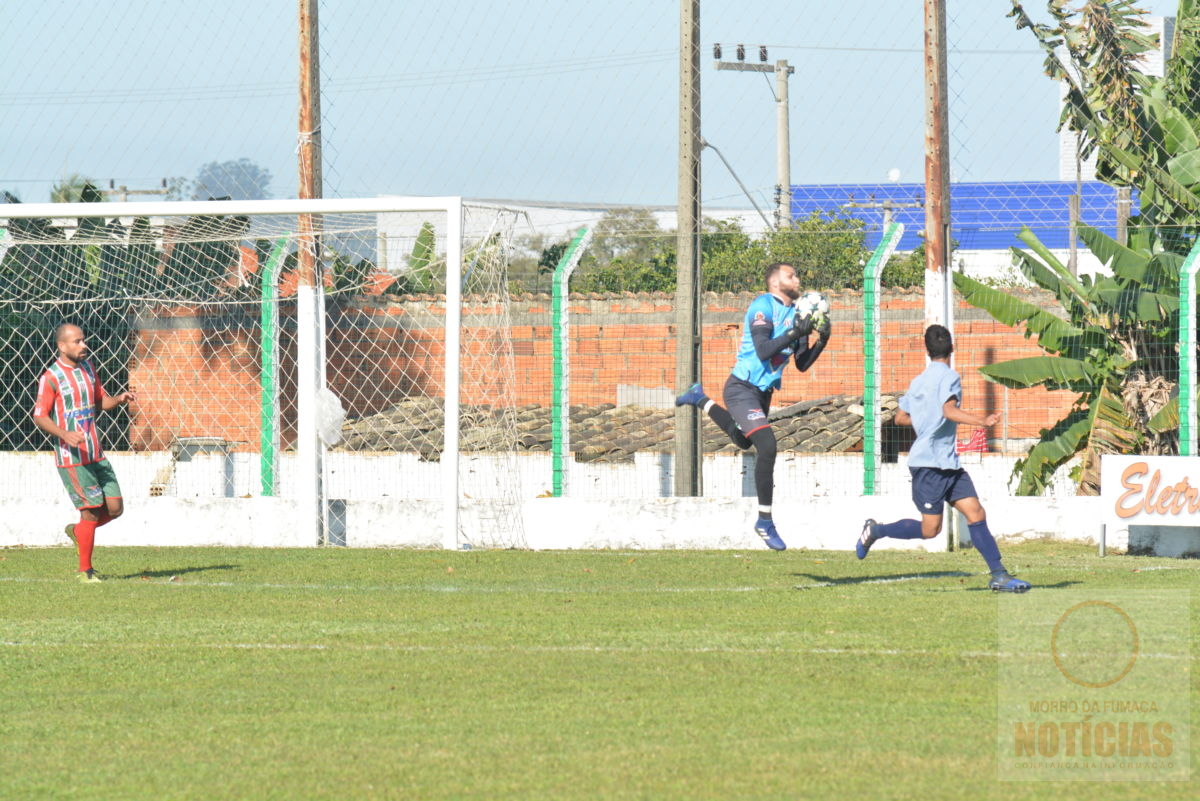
<point>766,530</point>
<point>866,539</point>
<point>693,397</point>
<point>1003,582</point>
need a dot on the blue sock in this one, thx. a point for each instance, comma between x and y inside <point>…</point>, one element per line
<point>985,543</point>
<point>900,530</point>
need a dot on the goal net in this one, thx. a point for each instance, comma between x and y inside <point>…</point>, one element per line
<point>350,355</point>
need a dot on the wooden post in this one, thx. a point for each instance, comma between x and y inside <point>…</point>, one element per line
<point>309,137</point>
<point>310,364</point>
<point>937,167</point>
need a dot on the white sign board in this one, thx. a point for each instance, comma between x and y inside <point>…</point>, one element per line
<point>1157,499</point>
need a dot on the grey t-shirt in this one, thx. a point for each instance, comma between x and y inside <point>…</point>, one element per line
<point>937,437</point>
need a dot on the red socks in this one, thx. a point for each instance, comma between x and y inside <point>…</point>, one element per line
<point>85,538</point>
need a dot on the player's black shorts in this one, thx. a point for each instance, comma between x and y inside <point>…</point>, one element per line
<point>933,486</point>
<point>749,406</point>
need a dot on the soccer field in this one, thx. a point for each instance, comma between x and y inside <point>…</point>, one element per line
<point>361,674</point>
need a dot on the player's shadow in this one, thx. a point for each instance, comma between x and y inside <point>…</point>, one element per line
<point>840,581</point>
<point>179,571</point>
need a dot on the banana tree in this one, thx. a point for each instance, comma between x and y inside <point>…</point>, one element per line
<point>1114,346</point>
<point>1142,128</point>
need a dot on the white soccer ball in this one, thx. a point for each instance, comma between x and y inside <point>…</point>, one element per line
<point>812,303</point>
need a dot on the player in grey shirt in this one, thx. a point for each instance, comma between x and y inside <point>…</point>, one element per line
<point>932,407</point>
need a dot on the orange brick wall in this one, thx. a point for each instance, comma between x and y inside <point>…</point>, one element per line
<point>200,378</point>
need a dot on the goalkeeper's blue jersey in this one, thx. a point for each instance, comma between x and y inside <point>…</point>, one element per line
<point>766,310</point>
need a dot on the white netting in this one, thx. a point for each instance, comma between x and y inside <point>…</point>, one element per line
<point>198,316</point>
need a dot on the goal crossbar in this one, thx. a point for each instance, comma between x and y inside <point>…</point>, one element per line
<point>205,208</point>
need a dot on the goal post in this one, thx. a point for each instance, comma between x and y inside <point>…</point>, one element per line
<point>206,303</point>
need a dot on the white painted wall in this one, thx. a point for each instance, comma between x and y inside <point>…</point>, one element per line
<point>615,506</point>
<point>996,265</point>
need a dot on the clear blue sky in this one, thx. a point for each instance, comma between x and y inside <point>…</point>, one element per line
<point>535,99</point>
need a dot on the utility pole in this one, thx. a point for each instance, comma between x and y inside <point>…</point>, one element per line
<point>889,207</point>
<point>783,157</point>
<point>1124,207</point>
<point>688,480</point>
<point>1073,209</point>
<point>938,295</point>
<point>783,150</point>
<point>310,367</point>
<point>122,192</point>
<point>309,136</point>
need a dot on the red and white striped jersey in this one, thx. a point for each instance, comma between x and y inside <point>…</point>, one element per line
<point>978,443</point>
<point>71,397</point>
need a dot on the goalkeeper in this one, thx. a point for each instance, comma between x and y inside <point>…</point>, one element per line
<point>772,332</point>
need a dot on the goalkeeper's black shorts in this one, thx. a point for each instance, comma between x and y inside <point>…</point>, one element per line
<point>749,406</point>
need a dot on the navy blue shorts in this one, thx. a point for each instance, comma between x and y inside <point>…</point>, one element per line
<point>749,406</point>
<point>933,486</point>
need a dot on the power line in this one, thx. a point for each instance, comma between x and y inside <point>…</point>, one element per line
<point>366,83</point>
<point>964,51</point>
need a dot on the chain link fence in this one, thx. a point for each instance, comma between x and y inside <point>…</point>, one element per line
<point>572,122</point>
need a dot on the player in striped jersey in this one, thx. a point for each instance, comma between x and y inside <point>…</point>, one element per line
<point>69,397</point>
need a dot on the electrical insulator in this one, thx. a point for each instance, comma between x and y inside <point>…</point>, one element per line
<point>741,52</point>
<point>717,52</point>
<point>762,53</point>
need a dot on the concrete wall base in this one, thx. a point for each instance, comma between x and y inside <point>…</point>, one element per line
<point>550,523</point>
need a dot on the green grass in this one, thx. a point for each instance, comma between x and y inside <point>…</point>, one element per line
<point>346,674</point>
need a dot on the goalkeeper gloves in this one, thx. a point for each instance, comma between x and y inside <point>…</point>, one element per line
<point>824,327</point>
<point>801,327</point>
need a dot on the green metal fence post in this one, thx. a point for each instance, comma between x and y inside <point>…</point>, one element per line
<point>559,413</point>
<point>872,425</point>
<point>269,375</point>
<point>1187,352</point>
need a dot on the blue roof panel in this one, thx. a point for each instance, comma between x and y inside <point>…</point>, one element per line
<point>984,216</point>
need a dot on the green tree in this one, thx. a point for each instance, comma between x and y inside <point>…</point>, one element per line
<point>655,273</point>
<point>233,180</point>
<point>1115,346</point>
<point>75,188</point>
<point>532,262</point>
<point>177,188</point>
<point>629,252</point>
<point>907,270</point>
<point>828,249</point>
<point>206,249</point>
<point>628,233</point>
<point>1183,68</point>
<point>635,255</point>
<point>51,274</point>
<point>731,260</point>
<point>1143,129</point>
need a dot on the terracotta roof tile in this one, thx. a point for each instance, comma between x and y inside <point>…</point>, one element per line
<point>603,433</point>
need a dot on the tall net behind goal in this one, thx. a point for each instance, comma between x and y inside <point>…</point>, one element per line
<point>203,316</point>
